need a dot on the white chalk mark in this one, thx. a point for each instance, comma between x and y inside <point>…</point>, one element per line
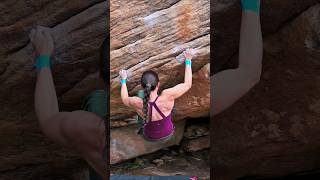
<point>180,58</point>
<point>150,20</point>
<point>176,50</point>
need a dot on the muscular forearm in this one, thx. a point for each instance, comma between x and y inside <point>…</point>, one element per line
<point>188,75</point>
<point>124,93</point>
<point>46,103</point>
<point>251,47</point>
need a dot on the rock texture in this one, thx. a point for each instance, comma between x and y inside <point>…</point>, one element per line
<point>125,143</point>
<point>149,35</point>
<point>167,162</point>
<point>226,17</point>
<point>77,41</point>
<point>198,144</point>
<point>272,131</point>
<point>145,34</point>
<point>79,28</point>
<point>126,135</point>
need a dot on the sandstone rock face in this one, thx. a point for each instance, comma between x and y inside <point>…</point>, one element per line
<point>272,131</point>
<point>79,28</point>
<point>125,143</point>
<point>77,41</point>
<point>226,16</point>
<point>155,31</point>
<point>149,35</point>
<point>198,144</point>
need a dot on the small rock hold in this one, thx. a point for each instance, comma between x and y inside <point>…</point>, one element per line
<point>195,131</point>
<point>166,158</point>
<point>198,144</point>
<point>119,123</point>
<point>158,162</point>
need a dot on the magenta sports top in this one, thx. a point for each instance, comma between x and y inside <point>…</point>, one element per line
<point>161,129</point>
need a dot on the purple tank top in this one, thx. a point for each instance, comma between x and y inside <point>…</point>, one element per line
<point>161,129</point>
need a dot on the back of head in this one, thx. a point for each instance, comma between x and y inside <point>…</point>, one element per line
<point>149,78</point>
<point>149,82</point>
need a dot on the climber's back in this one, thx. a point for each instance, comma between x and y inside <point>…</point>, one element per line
<point>156,109</point>
<point>162,103</point>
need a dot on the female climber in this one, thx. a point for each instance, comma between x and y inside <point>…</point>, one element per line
<point>154,107</point>
<point>82,130</point>
<point>230,85</point>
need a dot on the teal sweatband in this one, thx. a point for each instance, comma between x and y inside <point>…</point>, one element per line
<point>188,62</point>
<point>123,81</point>
<point>251,5</point>
<point>43,61</point>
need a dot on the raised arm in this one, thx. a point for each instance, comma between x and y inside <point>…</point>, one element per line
<point>133,102</point>
<point>178,90</point>
<point>80,130</point>
<point>46,102</point>
<point>230,85</point>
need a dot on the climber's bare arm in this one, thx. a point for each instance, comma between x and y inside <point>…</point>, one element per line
<point>46,103</point>
<point>84,132</point>
<point>230,85</point>
<point>132,102</point>
<point>80,130</point>
<point>180,89</point>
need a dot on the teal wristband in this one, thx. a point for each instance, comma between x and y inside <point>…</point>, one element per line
<point>123,81</point>
<point>188,62</point>
<point>43,61</point>
<point>251,5</point>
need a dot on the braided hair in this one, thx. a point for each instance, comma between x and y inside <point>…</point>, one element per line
<point>149,82</point>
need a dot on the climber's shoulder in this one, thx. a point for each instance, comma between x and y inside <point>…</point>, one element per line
<point>167,94</point>
<point>135,102</point>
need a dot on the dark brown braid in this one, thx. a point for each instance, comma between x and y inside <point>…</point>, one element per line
<point>149,82</point>
<point>147,91</point>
